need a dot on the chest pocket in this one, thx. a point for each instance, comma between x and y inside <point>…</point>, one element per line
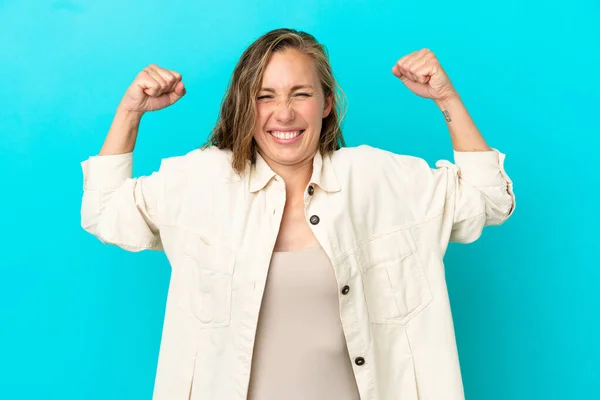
<point>204,282</point>
<point>395,285</point>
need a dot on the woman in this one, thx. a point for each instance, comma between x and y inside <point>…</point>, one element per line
<point>339,250</point>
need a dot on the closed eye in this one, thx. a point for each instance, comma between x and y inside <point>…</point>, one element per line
<point>266,96</point>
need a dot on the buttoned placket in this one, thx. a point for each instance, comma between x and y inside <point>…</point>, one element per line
<point>356,347</point>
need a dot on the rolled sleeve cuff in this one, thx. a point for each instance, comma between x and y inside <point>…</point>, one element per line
<point>482,168</point>
<point>106,172</point>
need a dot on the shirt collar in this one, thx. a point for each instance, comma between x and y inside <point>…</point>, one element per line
<point>323,174</point>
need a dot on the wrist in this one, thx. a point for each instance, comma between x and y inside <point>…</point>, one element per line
<point>131,117</point>
<point>449,101</point>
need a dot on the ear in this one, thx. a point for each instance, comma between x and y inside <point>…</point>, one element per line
<point>328,105</point>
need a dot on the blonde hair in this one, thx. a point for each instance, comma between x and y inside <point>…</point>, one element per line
<point>237,118</point>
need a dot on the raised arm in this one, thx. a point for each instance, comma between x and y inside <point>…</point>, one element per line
<point>478,190</point>
<point>117,208</point>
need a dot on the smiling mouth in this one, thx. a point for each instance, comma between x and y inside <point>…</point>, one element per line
<point>289,135</point>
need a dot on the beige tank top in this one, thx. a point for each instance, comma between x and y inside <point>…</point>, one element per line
<point>300,350</point>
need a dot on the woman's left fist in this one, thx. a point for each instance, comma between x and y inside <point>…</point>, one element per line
<point>422,73</point>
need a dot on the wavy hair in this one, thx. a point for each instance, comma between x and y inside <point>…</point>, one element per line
<point>237,117</point>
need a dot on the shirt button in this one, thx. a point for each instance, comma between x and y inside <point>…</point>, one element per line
<point>345,289</point>
<point>311,190</point>
<point>314,219</point>
<point>359,361</point>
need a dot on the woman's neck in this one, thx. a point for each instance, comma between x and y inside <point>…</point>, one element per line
<point>296,177</point>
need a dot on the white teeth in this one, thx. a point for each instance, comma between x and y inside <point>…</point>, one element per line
<point>285,135</point>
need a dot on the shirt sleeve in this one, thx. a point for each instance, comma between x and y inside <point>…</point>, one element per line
<point>119,209</point>
<point>479,193</point>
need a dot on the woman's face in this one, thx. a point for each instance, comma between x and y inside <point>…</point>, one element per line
<point>290,109</point>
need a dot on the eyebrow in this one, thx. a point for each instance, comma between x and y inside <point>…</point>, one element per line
<point>292,89</point>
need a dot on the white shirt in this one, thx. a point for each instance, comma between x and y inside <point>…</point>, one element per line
<point>383,219</point>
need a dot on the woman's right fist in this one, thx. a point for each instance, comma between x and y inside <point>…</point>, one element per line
<point>153,89</point>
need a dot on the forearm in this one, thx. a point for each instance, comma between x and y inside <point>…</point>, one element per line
<point>463,131</point>
<point>122,134</point>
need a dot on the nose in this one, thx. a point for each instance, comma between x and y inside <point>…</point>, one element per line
<point>284,112</point>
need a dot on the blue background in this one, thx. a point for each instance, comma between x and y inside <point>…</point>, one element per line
<point>79,320</point>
